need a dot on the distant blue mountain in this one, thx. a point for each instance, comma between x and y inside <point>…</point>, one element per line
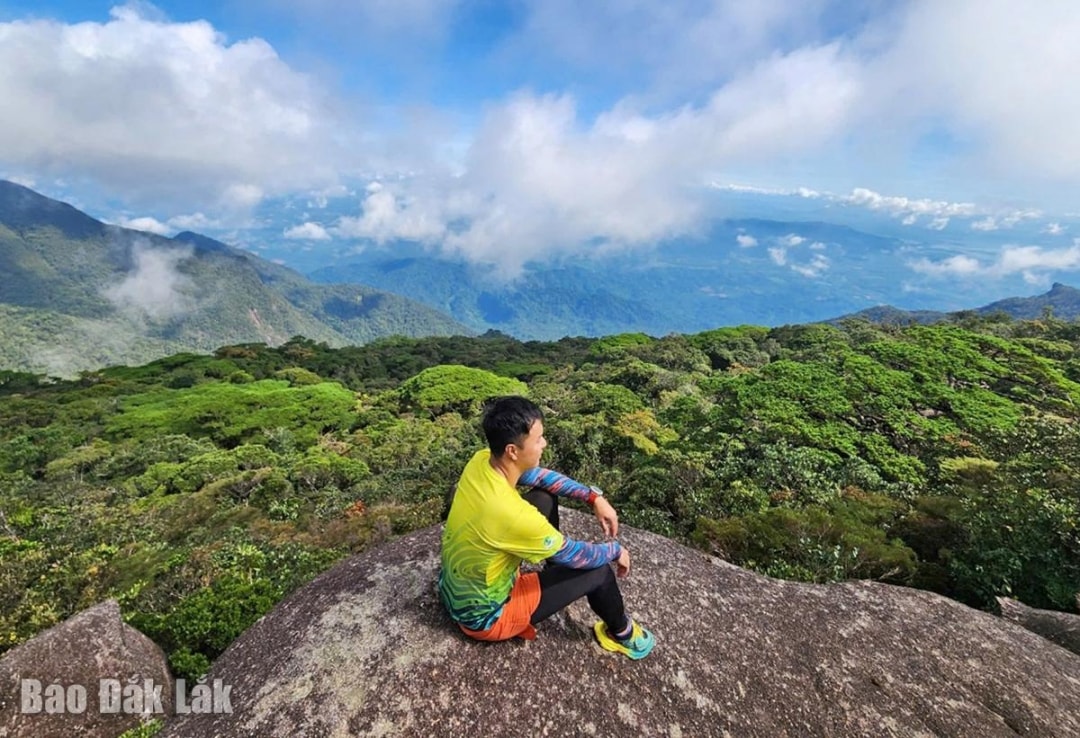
<point>1062,302</point>
<point>779,273</point>
<point>742,271</point>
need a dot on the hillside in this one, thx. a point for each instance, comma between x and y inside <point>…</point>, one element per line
<point>78,294</point>
<point>1062,301</point>
<point>546,305</point>
<point>200,490</point>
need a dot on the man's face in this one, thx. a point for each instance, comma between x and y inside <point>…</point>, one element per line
<point>533,445</point>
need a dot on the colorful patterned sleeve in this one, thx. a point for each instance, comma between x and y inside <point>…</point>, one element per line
<point>555,483</point>
<point>584,555</point>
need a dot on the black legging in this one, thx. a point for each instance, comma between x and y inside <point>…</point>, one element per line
<point>561,585</point>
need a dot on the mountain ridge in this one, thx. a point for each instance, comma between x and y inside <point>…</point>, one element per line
<point>77,294</point>
<point>1062,301</point>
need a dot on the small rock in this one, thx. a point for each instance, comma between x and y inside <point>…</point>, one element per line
<point>94,653</point>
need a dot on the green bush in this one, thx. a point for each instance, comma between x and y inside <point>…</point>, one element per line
<point>231,414</point>
<point>203,624</point>
<point>845,540</point>
<point>461,389</point>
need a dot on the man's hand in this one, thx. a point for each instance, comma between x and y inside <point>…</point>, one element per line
<point>622,564</point>
<point>609,519</point>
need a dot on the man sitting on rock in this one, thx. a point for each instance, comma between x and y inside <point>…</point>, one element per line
<point>491,529</point>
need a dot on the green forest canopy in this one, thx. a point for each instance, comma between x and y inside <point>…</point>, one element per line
<point>199,490</point>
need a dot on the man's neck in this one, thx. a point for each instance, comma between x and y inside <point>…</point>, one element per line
<point>507,468</point>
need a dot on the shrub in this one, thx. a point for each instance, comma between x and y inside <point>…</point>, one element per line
<point>453,388</point>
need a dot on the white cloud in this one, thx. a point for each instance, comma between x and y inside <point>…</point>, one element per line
<point>745,241</point>
<point>985,83</point>
<point>19,179</point>
<point>1054,229</point>
<point>1024,258</point>
<point>193,222</point>
<point>387,217</point>
<point>1007,219</point>
<point>538,181</point>
<point>157,110</point>
<point>959,265</point>
<point>956,93</point>
<point>154,287</point>
<point>146,223</point>
<point>995,74</point>
<point>817,246</point>
<point>1029,261</point>
<point>713,292</point>
<point>242,195</point>
<point>321,198</point>
<point>804,192</point>
<point>817,266</point>
<point>792,103</point>
<point>909,207</point>
<point>680,46</point>
<point>934,214</point>
<point>308,232</point>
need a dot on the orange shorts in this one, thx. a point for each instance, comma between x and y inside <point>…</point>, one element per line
<point>518,610</point>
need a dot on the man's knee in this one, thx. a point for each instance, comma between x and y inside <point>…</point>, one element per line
<point>600,578</point>
<point>542,500</point>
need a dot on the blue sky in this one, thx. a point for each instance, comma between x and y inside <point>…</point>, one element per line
<point>506,132</point>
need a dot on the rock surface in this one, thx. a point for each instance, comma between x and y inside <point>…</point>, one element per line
<point>366,650</point>
<point>92,646</point>
<point>1061,628</point>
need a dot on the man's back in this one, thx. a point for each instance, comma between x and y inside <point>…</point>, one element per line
<point>490,530</point>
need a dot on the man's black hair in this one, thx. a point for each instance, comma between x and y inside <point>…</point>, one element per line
<point>508,420</point>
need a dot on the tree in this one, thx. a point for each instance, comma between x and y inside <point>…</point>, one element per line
<point>455,388</point>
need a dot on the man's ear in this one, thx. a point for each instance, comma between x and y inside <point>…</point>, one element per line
<point>511,451</point>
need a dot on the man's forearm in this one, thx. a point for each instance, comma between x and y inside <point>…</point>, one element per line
<point>558,484</point>
<point>584,555</point>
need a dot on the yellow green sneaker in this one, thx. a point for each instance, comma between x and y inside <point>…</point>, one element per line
<point>637,646</point>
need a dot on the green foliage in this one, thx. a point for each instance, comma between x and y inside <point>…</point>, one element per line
<point>12,382</point>
<point>78,461</point>
<point>199,490</point>
<point>846,539</point>
<point>617,345</point>
<point>206,622</point>
<point>451,388</point>
<point>968,469</point>
<point>146,730</point>
<point>612,400</point>
<point>298,376</point>
<point>643,430</point>
<point>231,414</point>
<point>745,346</point>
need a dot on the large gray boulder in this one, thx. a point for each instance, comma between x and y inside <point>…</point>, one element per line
<point>366,650</point>
<point>91,651</point>
<point>1061,628</point>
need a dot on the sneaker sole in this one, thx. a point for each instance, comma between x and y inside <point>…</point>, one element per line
<point>608,644</point>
